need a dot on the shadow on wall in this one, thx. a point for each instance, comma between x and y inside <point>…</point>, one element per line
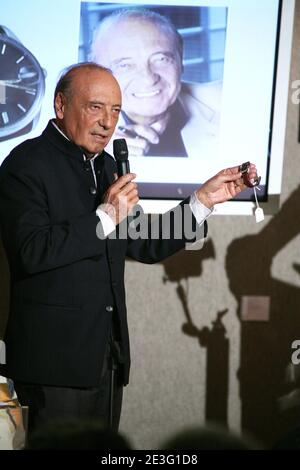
<point>4,289</point>
<point>269,386</point>
<point>179,268</point>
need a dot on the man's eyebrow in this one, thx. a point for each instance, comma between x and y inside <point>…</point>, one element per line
<point>167,53</point>
<point>117,61</point>
<point>117,105</point>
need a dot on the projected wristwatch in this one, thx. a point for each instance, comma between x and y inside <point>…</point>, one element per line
<point>22,87</point>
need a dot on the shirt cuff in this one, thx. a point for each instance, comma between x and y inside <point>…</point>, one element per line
<point>106,221</point>
<point>200,211</point>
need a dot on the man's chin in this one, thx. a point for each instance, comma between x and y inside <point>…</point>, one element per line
<point>92,150</point>
<point>99,144</point>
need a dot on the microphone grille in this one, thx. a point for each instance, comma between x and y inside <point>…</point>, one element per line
<point>120,149</point>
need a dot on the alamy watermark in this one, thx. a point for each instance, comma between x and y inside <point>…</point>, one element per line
<point>296,93</point>
<point>177,224</point>
<point>295,358</point>
<point>2,352</point>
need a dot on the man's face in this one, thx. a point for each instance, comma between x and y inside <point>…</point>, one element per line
<point>89,116</point>
<point>146,64</point>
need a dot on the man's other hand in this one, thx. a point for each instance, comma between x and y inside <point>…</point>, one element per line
<point>224,186</point>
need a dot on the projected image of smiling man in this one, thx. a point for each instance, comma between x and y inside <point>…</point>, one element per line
<point>148,67</point>
<point>144,52</point>
<point>163,114</point>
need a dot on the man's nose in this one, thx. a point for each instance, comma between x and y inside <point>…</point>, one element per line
<point>105,119</point>
<point>148,75</point>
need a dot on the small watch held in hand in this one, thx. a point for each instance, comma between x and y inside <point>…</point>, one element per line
<point>244,170</point>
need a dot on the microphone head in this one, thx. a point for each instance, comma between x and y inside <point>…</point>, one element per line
<point>120,150</point>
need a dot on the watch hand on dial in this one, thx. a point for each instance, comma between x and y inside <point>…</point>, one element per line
<point>11,85</point>
<point>18,80</point>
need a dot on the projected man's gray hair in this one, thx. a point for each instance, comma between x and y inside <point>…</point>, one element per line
<point>161,22</point>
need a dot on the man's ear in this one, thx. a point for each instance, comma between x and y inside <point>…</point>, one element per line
<point>59,104</point>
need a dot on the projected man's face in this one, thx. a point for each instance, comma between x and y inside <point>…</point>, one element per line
<point>146,64</point>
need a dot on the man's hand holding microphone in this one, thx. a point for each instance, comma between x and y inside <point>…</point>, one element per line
<point>122,195</point>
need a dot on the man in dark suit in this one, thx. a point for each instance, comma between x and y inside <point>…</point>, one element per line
<point>60,210</point>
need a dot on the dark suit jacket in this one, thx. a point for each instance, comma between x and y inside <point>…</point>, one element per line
<point>63,277</point>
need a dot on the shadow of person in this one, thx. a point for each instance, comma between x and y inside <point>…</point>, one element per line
<point>215,341</point>
<point>266,346</point>
<point>179,269</point>
<point>187,263</point>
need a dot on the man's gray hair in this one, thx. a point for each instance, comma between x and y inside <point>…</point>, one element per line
<point>162,22</point>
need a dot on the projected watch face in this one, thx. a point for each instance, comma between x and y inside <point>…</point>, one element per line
<point>22,86</point>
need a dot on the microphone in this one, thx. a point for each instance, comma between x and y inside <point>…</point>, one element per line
<point>121,155</point>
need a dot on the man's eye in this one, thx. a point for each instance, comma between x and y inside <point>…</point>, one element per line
<point>95,108</point>
<point>162,59</point>
<point>124,66</point>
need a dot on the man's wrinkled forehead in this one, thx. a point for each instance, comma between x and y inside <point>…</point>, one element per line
<point>89,82</point>
<point>121,35</point>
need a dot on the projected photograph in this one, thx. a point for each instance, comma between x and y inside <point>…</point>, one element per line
<point>168,61</point>
<point>200,93</point>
